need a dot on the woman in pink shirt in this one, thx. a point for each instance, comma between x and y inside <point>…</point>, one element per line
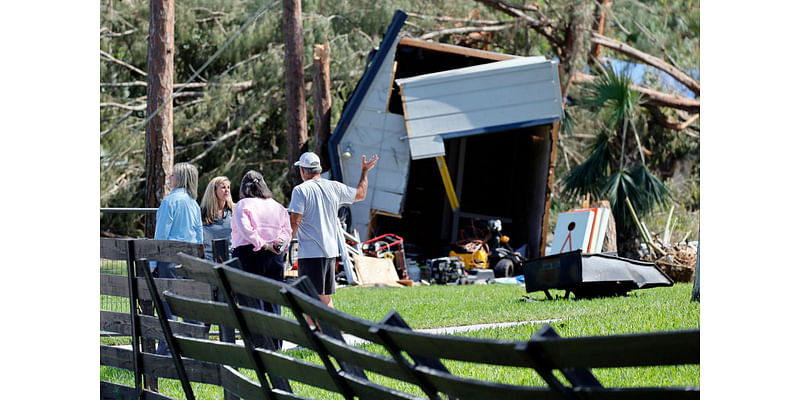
<point>259,228</point>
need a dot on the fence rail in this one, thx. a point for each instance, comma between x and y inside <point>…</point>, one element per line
<point>123,210</point>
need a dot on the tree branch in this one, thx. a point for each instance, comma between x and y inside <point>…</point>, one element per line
<point>542,26</point>
<point>564,150</point>
<point>467,29</point>
<point>654,41</point>
<point>227,136</point>
<point>210,11</point>
<point>629,51</point>
<point>121,120</point>
<point>109,57</point>
<point>108,33</point>
<point>119,184</point>
<point>653,97</point>
<point>678,126</point>
<point>450,19</point>
<point>124,106</point>
<point>619,24</point>
<point>234,66</point>
<point>143,98</point>
<point>239,86</point>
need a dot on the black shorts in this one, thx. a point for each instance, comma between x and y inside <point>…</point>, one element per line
<point>321,271</point>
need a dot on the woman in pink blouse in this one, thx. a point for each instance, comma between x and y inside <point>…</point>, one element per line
<point>259,227</point>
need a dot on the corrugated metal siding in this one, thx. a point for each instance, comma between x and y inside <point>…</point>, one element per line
<point>498,95</point>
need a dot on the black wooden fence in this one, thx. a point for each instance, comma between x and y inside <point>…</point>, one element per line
<point>420,361</point>
<point>141,326</point>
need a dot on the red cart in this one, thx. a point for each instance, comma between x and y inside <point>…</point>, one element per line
<point>388,245</point>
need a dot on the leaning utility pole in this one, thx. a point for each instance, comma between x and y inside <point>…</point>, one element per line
<point>158,137</point>
<point>295,84</point>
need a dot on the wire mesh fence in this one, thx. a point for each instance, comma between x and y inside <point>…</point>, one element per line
<point>114,303</point>
<point>117,267</point>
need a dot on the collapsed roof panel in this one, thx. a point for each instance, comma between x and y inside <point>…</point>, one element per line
<point>486,98</point>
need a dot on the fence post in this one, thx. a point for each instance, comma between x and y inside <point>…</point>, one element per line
<point>220,254</point>
<point>304,285</point>
<point>543,365</point>
<point>136,330</point>
<point>394,319</point>
<point>168,337</point>
<point>247,338</point>
<point>146,306</point>
<point>576,376</point>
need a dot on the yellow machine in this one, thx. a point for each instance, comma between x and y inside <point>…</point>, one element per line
<point>477,259</point>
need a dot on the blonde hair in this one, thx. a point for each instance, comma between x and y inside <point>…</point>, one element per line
<point>209,207</point>
<point>186,177</point>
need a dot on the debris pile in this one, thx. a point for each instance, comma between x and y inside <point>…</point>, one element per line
<point>678,261</point>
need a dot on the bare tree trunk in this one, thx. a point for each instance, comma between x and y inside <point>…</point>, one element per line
<point>598,26</point>
<point>629,241</point>
<point>296,129</point>
<point>576,40</point>
<point>551,166</point>
<point>322,102</point>
<point>158,132</point>
<point>158,142</point>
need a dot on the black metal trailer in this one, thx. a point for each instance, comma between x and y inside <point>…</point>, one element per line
<point>591,275</point>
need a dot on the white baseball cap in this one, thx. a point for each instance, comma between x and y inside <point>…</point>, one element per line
<point>308,160</point>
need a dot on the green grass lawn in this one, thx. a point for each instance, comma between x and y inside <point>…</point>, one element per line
<point>657,309</point>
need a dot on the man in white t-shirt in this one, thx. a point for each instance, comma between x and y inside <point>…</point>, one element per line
<point>313,216</point>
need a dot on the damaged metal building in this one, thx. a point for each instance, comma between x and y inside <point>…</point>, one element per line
<point>462,135</point>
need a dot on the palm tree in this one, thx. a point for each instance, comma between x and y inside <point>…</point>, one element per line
<point>613,171</point>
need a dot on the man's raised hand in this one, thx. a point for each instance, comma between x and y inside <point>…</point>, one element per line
<point>368,165</point>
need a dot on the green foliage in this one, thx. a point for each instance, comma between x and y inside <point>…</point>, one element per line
<point>352,27</point>
<point>665,29</point>
<point>202,116</point>
<point>591,174</point>
<point>668,30</point>
<point>657,193</point>
<point>612,93</point>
